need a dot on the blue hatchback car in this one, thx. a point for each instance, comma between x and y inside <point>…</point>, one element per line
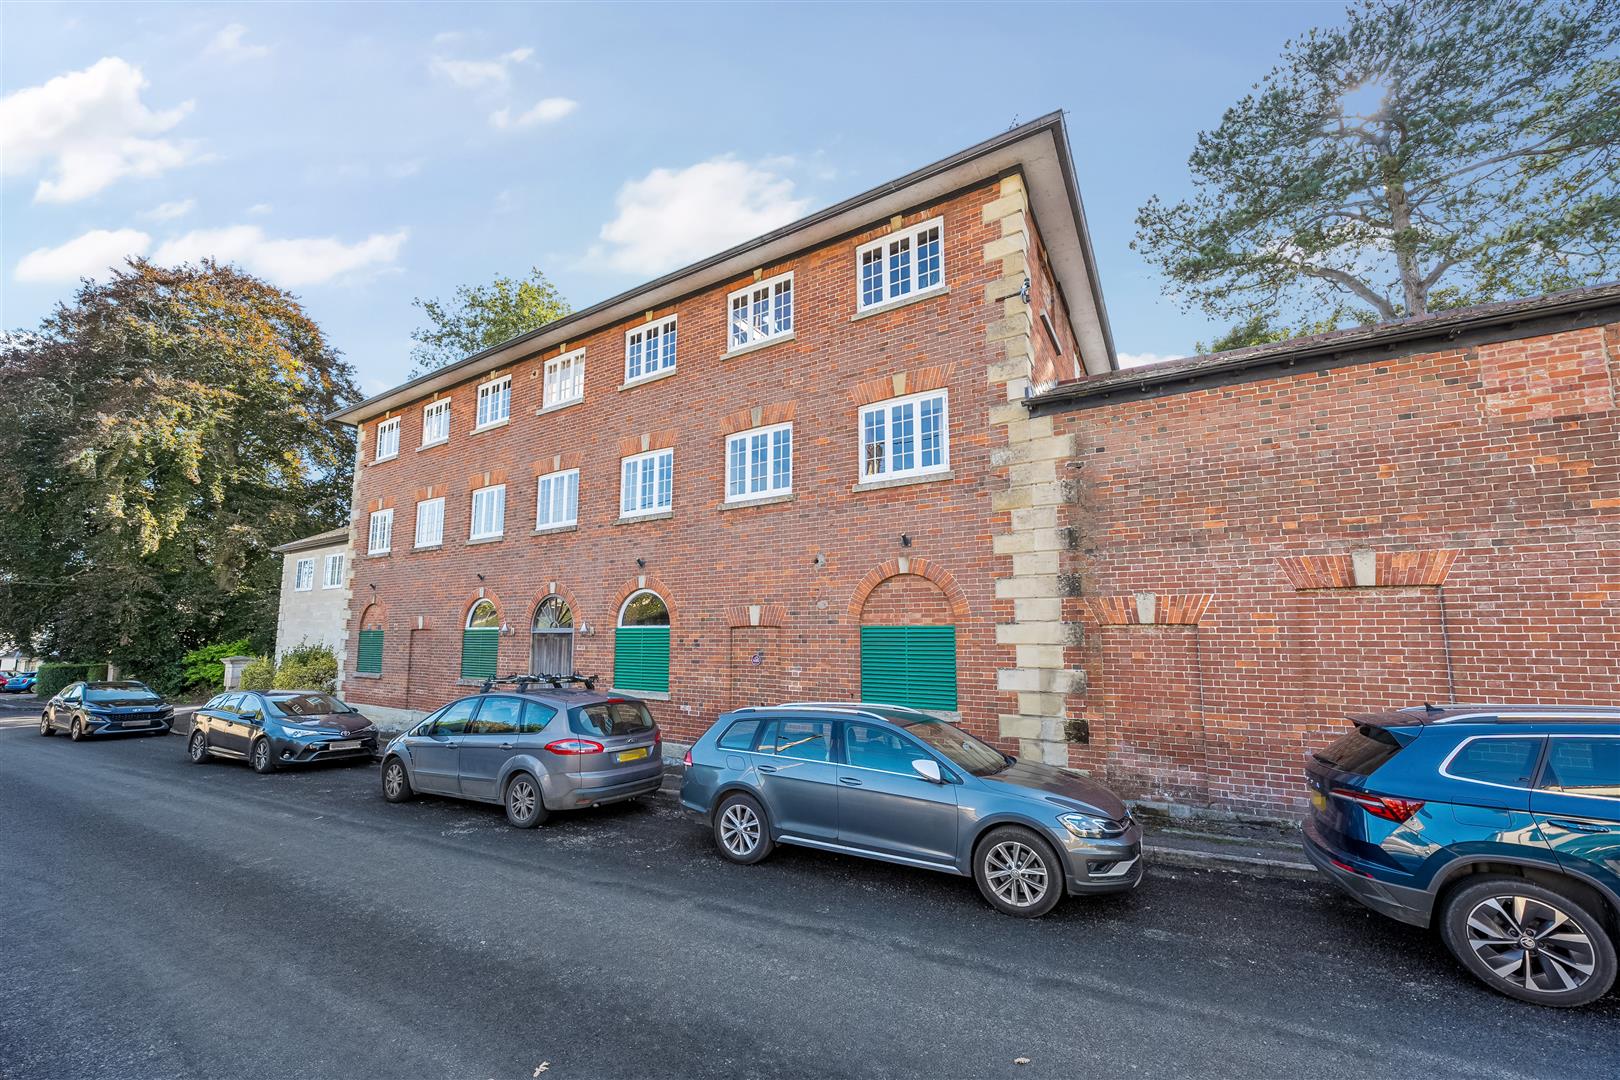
<point>902,786</point>
<point>1499,824</point>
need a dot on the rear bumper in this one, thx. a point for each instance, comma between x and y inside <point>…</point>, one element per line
<point>574,790</point>
<point>1400,902</point>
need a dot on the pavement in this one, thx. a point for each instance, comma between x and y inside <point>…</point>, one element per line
<point>164,919</point>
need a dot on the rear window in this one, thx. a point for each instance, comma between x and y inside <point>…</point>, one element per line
<point>1361,752</point>
<point>610,718</point>
<point>740,736</point>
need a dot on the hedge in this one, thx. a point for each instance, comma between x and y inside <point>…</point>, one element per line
<point>307,667</point>
<point>54,676</point>
<point>259,675</point>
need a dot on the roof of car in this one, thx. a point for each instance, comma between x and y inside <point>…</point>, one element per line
<point>1489,713</point>
<point>894,714</point>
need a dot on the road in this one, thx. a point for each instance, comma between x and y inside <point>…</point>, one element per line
<point>162,919</point>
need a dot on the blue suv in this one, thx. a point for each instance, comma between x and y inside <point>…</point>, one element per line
<point>1499,824</point>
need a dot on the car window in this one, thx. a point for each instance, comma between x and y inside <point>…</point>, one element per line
<point>870,747</point>
<point>610,718</point>
<point>1583,767</point>
<point>1508,762</point>
<point>311,704</point>
<point>71,694</point>
<point>130,693</point>
<point>536,717</point>
<point>249,703</point>
<point>808,740</point>
<point>231,703</point>
<point>453,719</point>
<point>213,702</point>
<point>740,736</point>
<point>1362,752</point>
<point>497,716</point>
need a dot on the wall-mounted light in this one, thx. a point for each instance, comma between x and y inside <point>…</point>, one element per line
<point>905,540</point>
<point>480,577</point>
<point>373,585</point>
<point>1023,293</point>
<point>641,563</point>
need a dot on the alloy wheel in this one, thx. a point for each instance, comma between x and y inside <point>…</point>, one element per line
<point>394,780</point>
<point>44,724</point>
<point>261,755</point>
<point>521,799</point>
<point>76,729</point>
<point>1531,943</point>
<point>1017,873</point>
<point>739,829</point>
<point>199,746</point>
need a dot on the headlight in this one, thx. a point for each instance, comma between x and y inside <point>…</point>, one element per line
<point>301,733</point>
<point>1089,826</point>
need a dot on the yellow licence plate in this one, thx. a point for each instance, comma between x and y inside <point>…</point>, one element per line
<point>634,755</point>
<point>1319,800</point>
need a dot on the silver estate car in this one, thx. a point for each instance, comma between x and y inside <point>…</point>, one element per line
<point>903,786</point>
<point>531,751</point>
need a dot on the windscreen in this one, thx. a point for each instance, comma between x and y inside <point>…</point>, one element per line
<point>958,746</point>
<point>307,704</point>
<point>134,694</point>
<point>610,718</point>
<point>1361,752</point>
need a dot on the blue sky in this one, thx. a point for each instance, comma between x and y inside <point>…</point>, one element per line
<point>365,154</point>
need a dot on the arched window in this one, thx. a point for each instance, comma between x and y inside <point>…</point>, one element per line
<point>551,649</point>
<point>908,645</point>
<point>368,659</point>
<point>641,644</point>
<point>480,641</point>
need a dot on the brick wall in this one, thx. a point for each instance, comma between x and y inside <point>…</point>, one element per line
<point>1257,559</point>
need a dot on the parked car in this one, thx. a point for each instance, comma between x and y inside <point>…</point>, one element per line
<point>1499,824</point>
<point>83,709</point>
<point>22,683</point>
<point>532,751</point>
<point>272,728</point>
<point>902,786</point>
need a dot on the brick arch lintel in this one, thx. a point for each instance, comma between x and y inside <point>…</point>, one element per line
<point>637,584</point>
<point>489,594</point>
<point>924,568</point>
<point>374,614</point>
<point>756,615</point>
<point>554,588</point>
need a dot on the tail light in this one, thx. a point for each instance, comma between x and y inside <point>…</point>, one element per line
<point>574,746</point>
<point>687,760</point>
<point>1383,806</point>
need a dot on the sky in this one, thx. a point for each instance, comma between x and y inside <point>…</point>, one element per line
<point>362,155</point>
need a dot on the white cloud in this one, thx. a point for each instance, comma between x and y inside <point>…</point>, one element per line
<point>479,74</point>
<point>288,263</point>
<point>88,129</point>
<point>228,45</point>
<point>90,255</point>
<point>260,208</point>
<point>673,216</point>
<point>170,210</point>
<point>1142,359</point>
<point>546,111</point>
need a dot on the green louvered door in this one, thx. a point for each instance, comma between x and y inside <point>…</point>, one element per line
<point>909,665</point>
<point>370,659</point>
<point>478,649</point>
<point>641,658</point>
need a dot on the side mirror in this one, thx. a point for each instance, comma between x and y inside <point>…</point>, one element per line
<point>928,770</point>
<point>251,716</point>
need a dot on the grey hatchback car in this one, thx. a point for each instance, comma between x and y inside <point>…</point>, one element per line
<point>531,751</point>
<point>903,786</point>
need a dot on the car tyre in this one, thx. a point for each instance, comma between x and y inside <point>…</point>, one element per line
<point>76,730</point>
<point>1018,873</point>
<point>396,781</point>
<point>197,748</point>
<point>45,724</point>
<point>524,807</point>
<point>260,758</point>
<point>1571,956</point>
<point>742,832</point>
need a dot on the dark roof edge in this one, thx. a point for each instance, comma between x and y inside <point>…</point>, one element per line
<point>1051,121</point>
<point>1077,207</point>
<point>319,540</point>
<point>1576,309</point>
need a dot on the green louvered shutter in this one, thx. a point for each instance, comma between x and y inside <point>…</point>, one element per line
<point>909,665</point>
<point>478,648</point>
<point>370,660</point>
<point>641,658</point>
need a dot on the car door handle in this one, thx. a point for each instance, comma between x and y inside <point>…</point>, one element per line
<point>1578,826</point>
<point>767,768</point>
<point>850,780</point>
<point>507,745</point>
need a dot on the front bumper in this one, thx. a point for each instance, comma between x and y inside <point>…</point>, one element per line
<point>112,725</point>
<point>1400,902</point>
<point>310,750</point>
<point>1101,865</point>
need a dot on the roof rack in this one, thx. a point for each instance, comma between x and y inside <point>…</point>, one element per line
<point>523,682</point>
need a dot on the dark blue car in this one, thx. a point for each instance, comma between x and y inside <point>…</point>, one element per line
<point>1498,824</point>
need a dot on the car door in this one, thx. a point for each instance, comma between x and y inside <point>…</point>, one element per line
<point>66,702</point>
<point>489,743</point>
<point>884,806</point>
<point>224,732</point>
<point>248,720</point>
<point>434,752</point>
<point>798,778</point>
<point>1577,804</point>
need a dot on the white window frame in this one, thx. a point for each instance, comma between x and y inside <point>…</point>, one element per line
<point>303,575</point>
<point>380,526</point>
<point>544,499</point>
<point>497,494</point>
<point>438,538</point>
<point>889,293</point>
<point>886,407</point>
<point>644,463</point>
<point>555,382</point>
<point>487,393</point>
<point>327,579</point>
<point>755,336</point>
<point>430,412</point>
<point>387,431</point>
<point>745,440</point>
<point>667,332</point>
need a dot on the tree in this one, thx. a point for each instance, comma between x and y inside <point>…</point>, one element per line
<point>1258,329</point>
<point>1425,155</point>
<point>481,316</point>
<point>165,428</point>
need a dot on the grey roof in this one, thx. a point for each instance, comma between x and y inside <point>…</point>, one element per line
<point>339,535</point>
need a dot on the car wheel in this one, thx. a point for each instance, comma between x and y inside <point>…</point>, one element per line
<point>1529,942</point>
<point>259,757</point>
<point>76,730</point>
<point>741,831</point>
<point>197,748</point>
<point>524,807</point>
<point>45,725</point>
<point>396,782</point>
<point>1018,872</point>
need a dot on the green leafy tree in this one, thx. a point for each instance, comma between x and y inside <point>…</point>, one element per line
<point>1258,329</point>
<point>480,316</point>
<point>1426,154</point>
<point>165,428</point>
